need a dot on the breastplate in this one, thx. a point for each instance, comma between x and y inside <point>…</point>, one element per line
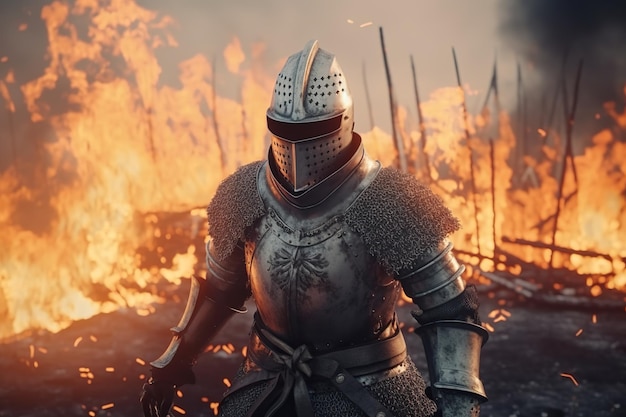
<point>312,277</point>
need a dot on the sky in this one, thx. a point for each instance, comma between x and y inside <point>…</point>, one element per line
<point>426,30</point>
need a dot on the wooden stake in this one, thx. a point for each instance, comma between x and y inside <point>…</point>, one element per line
<point>493,201</point>
<point>469,147</point>
<point>401,164</point>
<point>422,127</point>
<point>568,154</point>
<point>216,129</point>
<point>367,98</point>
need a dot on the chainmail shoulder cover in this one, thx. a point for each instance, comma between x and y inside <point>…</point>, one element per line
<point>234,208</point>
<point>400,219</point>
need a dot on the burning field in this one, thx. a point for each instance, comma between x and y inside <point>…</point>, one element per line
<point>106,169</point>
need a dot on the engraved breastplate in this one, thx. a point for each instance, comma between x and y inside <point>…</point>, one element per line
<point>311,276</point>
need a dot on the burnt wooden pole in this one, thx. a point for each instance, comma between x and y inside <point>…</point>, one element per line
<point>568,154</point>
<point>493,201</point>
<point>397,140</point>
<point>469,148</point>
<point>422,127</point>
<point>367,98</point>
<point>216,128</point>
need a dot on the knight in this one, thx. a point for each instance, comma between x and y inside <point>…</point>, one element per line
<point>324,239</point>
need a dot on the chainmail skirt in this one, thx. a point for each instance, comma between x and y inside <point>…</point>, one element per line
<point>403,394</point>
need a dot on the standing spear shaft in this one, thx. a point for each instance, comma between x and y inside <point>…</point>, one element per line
<point>392,103</point>
<point>367,98</point>
<point>422,126</point>
<point>216,129</point>
<point>568,154</point>
<point>469,147</point>
<point>493,201</point>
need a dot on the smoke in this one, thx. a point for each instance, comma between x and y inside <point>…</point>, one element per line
<point>547,34</point>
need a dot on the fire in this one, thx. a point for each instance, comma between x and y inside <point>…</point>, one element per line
<point>118,146</point>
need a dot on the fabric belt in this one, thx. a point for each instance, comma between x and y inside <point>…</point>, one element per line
<point>289,369</point>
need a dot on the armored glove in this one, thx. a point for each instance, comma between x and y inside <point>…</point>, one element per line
<point>156,398</point>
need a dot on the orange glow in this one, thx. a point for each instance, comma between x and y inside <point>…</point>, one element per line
<point>571,377</point>
<point>179,410</point>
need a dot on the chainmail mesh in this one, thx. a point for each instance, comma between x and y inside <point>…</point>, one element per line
<point>404,395</point>
<point>400,219</point>
<point>235,206</point>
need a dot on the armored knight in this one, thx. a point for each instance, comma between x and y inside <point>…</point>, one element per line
<point>324,239</point>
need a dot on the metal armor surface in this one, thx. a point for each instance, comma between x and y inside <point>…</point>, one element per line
<point>311,276</point>
<point>310,118</point>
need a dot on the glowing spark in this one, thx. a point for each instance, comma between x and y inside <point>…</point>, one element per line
<point>226,382</point>
<point>35,364</point>
<point>31,348</point>
<point>244,351</point>
<point>217,348</point>
<point>570,377</point>
<point>109,369</point>
<point>142,376</point>
<point>596,290</point>
<point>493,313</point>
<point>4,59</point>
<point>93,338</point>
<point>42,350</point>
<point>579,332</point>
<point>107,406</point>
<point>140,361</point>
<point>22,27</point>
<point>215,407</point>
<point>83,369</point>
<point>505,312</point>
<point>350,21</point>
<point>542,132</point>
<point>78,340</point>
<point>92,413</point>
<point>499,318</point>
<point>179,410</point>
<point>594,319</point>
<point>489,327</point>
<point>179,393</point>
<point>363,25</point>
<point>204,399</point>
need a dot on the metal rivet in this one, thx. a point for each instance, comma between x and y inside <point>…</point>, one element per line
<point>340,378</point>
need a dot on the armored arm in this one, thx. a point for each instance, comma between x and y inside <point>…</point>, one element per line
<point>450,330</point>
<point>212,301</point>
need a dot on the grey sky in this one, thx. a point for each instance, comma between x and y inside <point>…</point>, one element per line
<point>425,29</point>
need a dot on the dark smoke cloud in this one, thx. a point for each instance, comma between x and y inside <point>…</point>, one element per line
<point>544,31</point>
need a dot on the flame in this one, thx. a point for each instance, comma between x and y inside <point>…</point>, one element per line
<point>119,147</point>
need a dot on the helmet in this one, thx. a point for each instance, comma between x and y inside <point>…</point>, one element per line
<point>310,118</point>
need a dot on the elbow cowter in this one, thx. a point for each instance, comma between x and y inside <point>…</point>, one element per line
<point>450,328</point>
<point>437,288</point>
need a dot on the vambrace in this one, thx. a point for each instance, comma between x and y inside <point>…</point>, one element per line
<point>211,302</point>
<point>450,330</point>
